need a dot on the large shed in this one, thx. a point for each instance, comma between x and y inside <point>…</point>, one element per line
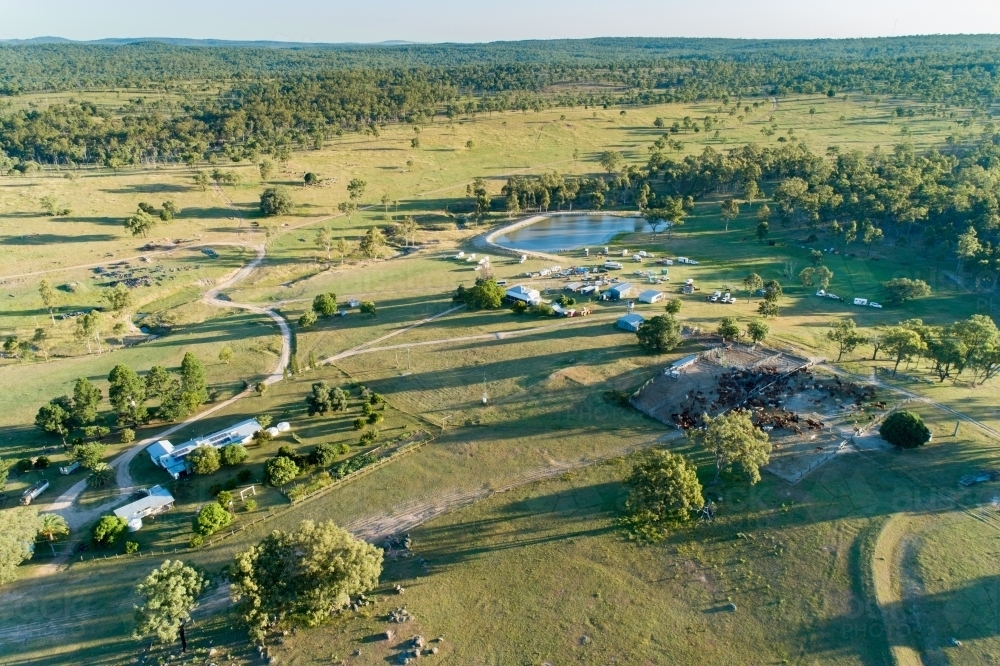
<point>651,296</point>
<point>631,322</point>
<point>620,291</point>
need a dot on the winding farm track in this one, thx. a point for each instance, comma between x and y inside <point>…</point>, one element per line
<point>65,503</point>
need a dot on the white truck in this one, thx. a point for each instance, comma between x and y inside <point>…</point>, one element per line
<point>614,265</point>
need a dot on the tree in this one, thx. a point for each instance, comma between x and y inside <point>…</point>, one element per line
<point>664,491</point>
<point>752,283</point>
<point>372,243</point>
<point>119,299</point>
<point>108,530</point>
<point>169,594</point>
<point>279,471</point>
<point>968,245</point>
<point>18,528</point>
<point>486,294</point>
<point>54,418</point>
<point>211,518</point>
<point>320,399</point>
<point>764,214</point>
<point>729,210</point>
<point>815,257</point>
<point>901,343</point>
<point>734,441</point>
<point>86,399</point>
<point>763,229</point>
<point>844,332</point>
<point>87,328</point>
<point>169,211</point>
<point>232,454</point>
<point>275,201</point>
<point>659,334</point>
<point>674,306</point>
<point>807,275</point>
<point>824,276</point>
<point>367,308</point>
<point>90,455</point>
<point>324,239</point>
<point>204,460</point>
<point>127,436</point>
<point>226,355</point>
<point>310,179</point>
<point>201,180</point>
<point>266,169</point>
<point>308,319</point>
<point>140,223</point>
<point>53,526</point>
<point>612,160</point>
<point>872,237</point>
<point>758,330</point>
<point>905,429</point>
<point>193,385</point>
<point>308,575</point>
<point>356,188</point>
<point>325,454</point>
<point>48,296</point>
<point>728,328</point>
<point>343,249</point>
<point>158,381</point>
<point>767,309</point>
<point>338,400</point>
<point>325,304</point>
<point>900,290</point>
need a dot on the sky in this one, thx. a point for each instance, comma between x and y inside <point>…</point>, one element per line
<point>470,21</point>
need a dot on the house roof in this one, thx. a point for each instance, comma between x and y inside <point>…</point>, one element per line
<point>621,287</point>
<point>521,290</point>
<point>633,318</point>
<point>160,448</point>
<point>233,434</point>
<point>157,498</point>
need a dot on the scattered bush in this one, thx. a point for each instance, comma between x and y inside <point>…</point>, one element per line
<point>359,424</point>
<point>375,418</point>
<point>131,547</point>
<point>250,505</point>
<point>127,436</point>
<point>369,437</point>
<point>196,541</point>
<point>42,462</point>
<point>905,429</point>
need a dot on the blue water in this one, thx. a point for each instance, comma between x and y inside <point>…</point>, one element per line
<point>566,232</point>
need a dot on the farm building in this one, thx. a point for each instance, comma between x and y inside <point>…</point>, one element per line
<point>630,322</point>
<point>651,296</point>
<point>574,286</point>
<point>157,500</point>
<point>165,455</point>
<point>619,291</point>
<point>526,294</point>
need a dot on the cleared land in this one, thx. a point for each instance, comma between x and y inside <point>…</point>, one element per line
<point>538,572</point>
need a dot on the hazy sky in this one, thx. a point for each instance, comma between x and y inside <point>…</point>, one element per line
<point>471,21</point>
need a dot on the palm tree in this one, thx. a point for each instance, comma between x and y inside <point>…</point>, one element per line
<point>53,525</point>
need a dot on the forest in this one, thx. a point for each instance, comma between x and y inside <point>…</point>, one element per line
<point>244,100</point>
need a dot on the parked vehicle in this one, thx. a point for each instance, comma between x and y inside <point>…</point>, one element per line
<point>861,301</point>
<point>873,304</point>
<point>715,297</point>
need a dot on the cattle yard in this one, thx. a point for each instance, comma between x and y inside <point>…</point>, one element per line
<point>809,412</point>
